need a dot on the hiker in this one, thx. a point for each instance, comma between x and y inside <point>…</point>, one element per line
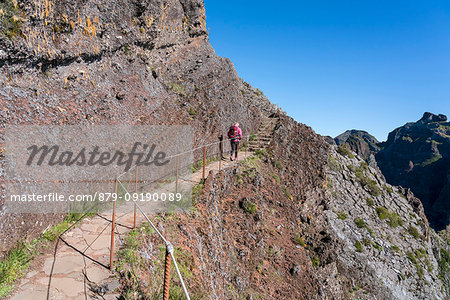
<point>234,135</point>
<point>221,147</point>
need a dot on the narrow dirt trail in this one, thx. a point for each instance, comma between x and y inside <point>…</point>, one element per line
<point>78,268</point>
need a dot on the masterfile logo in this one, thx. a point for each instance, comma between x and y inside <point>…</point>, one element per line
<point>52,155</point>
<point>48,168</point>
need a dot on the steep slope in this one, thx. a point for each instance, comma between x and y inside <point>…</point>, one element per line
<point>339,232</point>
<point>97,62</point>
<point>417,156</point>
<point>380,236</point>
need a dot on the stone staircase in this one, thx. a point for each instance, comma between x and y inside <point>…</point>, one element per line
<point>263,136</point>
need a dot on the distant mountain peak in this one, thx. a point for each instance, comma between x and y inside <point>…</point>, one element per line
<point>430,117</point>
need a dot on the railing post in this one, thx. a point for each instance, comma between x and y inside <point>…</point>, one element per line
<point>176,178</point>
<point>220,155</point>
<point>246,146</point>
<point>167,275</point>
<point>113,225</point>
<point>135,190</point>
<point>204,163</point>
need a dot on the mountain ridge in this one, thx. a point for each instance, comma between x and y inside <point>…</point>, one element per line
<point>409,156</point>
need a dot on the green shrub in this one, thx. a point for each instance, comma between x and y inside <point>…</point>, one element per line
<point>362,178</point>
<point>360,223</point>
<point>315,261</point>
<point>419,270</point>
<point>412,230</point>
<point>299,240</point>
<point>342,215</point>
<point>412,257</point>
<point>11,20</point>
<point>278,165</point>
<point>15,264</point>
<point>358,246</point>
<point>192,112</point>
<point>364,165</point>
<point>382,212</point>
<point>260,153</point>
<point>444,265</point>
<point>276,177</point>
<point>367,242</point>
<point>252,163</point>
<point>286,192</point>
<point>177,89</point>
<point>196,191</point>
<point>345,151</point>
<point>250,207</point>
<point>428,264</point>
<point>333,164</point>
<point>420,253</point>
<point>394,220</point>
<point>127,49</point>
<point>259,92</point>
<point>374,190</point>
<point>13,267</point>
<point>377,246</point>
<point>388,189</point>
<point>370,202</point>
<point>395,248</point>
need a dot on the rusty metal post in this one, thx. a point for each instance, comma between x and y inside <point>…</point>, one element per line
<point>204,163</point>
<point>167,276</point>
<point>113,225</point>
<point>246,146</point>
<point>135,190</point>
<point>220,155</point>
<point>176,178</point>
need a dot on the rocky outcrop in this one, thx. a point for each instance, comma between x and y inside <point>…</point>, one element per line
<point>344,234</point>
<point>417,156</point>
<point>372,236</point>
<point>359,141</point>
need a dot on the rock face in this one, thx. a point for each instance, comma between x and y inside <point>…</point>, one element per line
<point>97,62</point>
<point>338,232</point>
<point>359,141</point>
<point>373,235</point>
<point>417,156</point>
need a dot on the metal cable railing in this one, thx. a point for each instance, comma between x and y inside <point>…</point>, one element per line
<point>210,152</point>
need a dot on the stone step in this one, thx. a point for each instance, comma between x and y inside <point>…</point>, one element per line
<point>264,134</point>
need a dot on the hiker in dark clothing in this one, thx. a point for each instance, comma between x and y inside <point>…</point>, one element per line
<point>234,135</point>
<point>221,147</point>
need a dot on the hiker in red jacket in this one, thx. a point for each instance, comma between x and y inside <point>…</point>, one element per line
<point>234,135</point>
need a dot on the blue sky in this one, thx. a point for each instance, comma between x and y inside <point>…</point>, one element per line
<point>338,65</point>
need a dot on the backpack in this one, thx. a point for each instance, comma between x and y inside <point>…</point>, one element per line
<point>233,132</point>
